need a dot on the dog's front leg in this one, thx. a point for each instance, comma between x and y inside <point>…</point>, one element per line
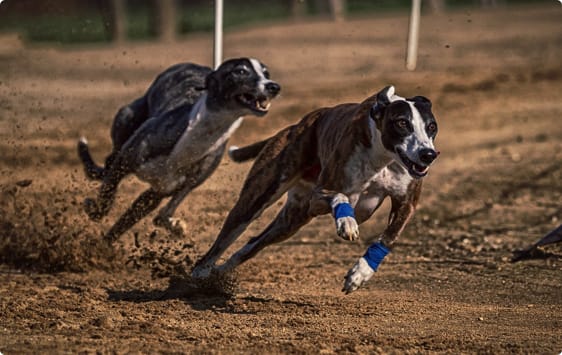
<point>344,216</point>
<point>402,211</point>
<point>339,205</point>
<point>165,218</point>
<point>143,205</point>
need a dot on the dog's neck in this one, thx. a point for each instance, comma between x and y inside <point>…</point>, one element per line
<point>216,106</point>
<point>207,131</point>
<point>380,156</point>
<point>206,107</point>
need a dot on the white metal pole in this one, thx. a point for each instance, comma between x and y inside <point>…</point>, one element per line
<point>217,55</point>
<point>413,36</point>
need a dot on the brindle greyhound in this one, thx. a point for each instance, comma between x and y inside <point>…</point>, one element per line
<point>343,160</point>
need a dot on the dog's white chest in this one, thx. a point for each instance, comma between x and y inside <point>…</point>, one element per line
<point>207,132</point>
<point>393,179</point>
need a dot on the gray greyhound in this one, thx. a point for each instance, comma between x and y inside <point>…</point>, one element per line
<point>174,137</point>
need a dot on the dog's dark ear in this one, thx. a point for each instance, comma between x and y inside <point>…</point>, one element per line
<point>385,95</point>
<point>212,83</point>
<point>383,100</point>
<point>421,100</point>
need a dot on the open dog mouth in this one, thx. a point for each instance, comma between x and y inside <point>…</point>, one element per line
<point>414,169</point>
<point>259,104</point>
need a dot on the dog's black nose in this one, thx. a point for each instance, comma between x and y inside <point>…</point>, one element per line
<point>272,88</point>
<point>427,155</point>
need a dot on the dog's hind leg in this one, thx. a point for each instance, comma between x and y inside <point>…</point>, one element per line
<point>143,205</point>
<point>125,123</point>
<point>255,197</point>
<point>243,213</point>
<point>276,170</point>
<point>290,219</point>
<point>165,217</point>
<point>127,120</point>
<point>98,208</point>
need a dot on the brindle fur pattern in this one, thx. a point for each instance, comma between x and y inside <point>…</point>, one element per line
<point>332,155</point>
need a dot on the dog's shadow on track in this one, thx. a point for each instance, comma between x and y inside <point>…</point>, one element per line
<point>211,294</point>
<point>217,294</point>
<point>533,254</point>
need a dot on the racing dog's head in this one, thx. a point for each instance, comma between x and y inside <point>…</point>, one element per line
<point>241,85</point>
<point>408,129</point>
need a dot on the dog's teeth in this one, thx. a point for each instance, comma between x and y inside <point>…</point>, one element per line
<point>263,104</point>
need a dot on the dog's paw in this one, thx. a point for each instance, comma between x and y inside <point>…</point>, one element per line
<point>217,284</point>
<point>176,226</point>
<point>360,273</point>
<point>92,209</point>
<point>347,228</point>
<point>202,272</point>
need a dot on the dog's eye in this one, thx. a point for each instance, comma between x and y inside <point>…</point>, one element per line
<point>402,124</point>
<point>241,71</point>
<point>266,73</point>
<point>432,127</point>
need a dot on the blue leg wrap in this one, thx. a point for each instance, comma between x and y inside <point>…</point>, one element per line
<point>343,209</point>
<point>375,254</point>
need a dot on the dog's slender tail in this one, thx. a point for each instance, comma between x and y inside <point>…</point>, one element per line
<point>242,154</point>
<point>92,170</point>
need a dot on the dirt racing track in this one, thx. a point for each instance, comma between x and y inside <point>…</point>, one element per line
<point>495,79</point>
